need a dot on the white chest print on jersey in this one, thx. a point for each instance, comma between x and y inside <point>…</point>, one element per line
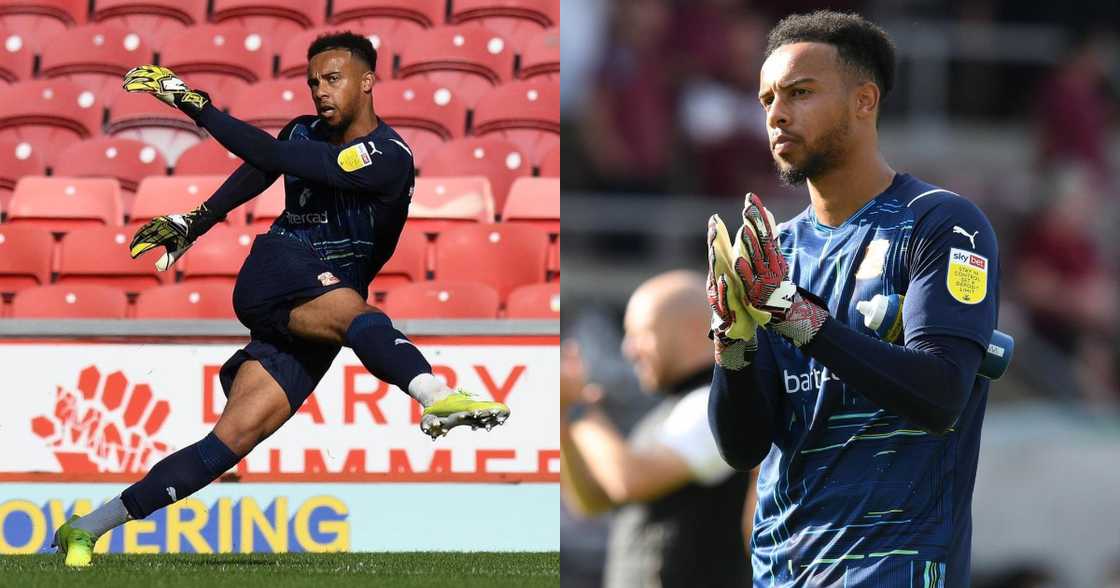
<point>971,236</point>
<point>304,196</point>
<point>874,258</point>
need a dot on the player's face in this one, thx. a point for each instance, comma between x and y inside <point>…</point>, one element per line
<point>339,82</point>
<point>806,96</point>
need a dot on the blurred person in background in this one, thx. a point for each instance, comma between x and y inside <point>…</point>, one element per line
<point>680,509</point>
<point>1058,254</point>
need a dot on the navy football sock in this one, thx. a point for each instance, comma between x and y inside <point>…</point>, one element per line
<point>385,351</point>
<point>179,475</point>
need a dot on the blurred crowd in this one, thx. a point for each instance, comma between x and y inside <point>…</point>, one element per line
<point>660,98</point>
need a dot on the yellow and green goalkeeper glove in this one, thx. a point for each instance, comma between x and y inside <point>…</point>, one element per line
<point>733,327</point>
<point>174,232</point>
<point>162,83</point>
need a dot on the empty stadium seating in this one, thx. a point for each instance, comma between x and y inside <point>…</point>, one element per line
<point>94,56</point>
<point>206,158</point>
<point>550,165</point>
<point>516,20</point>
<point>39,20</point>
<point>501,255</point>
<point>441,203</point>
<point>395,17</point>
<point>278,19</point>
<point>540,58</point>
<point>526,113</point>
<point>153,20</point>
<point>409,263</point>
<point>424,113</point>
<point>468,59</point>
<point>70,301</point>
<point>63,204</point>
<point>160,195</point>
<point>554,260</point>
<point>49,114</point>
<point>534,201</point>
<point>136,116</point>
<point>99,255</point>
<point>16,57</point>
<point>268,205</point>
<point>192,300</point>
<point>217,256</point>
<point>127,160</point>
<point>535,301</point>
<point>17,159</point>
<point>272,104</point>
<point>221,59</point>
<point>443,299</point>
<point>498,160</point>
<point>25,257</point>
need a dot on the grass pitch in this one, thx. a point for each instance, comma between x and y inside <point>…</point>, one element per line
<point>461,570</point>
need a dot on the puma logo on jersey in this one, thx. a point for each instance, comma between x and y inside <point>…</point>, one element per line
<point>373,149</point>
<point>971,236</point>
<point>171,493</point>
<point>304,196</point>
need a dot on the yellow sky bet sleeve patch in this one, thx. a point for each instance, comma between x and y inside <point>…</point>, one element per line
<point>354,157</point>
<point>967,278</point>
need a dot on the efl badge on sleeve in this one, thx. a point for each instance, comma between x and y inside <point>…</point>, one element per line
<point>354,157</point>
<point>968,276</point>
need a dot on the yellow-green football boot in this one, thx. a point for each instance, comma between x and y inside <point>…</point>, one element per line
<point>461,408</point>
<point>76,543</point>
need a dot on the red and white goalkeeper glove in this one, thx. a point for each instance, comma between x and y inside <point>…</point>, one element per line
<point>733,327</point>
<point>764,273</point>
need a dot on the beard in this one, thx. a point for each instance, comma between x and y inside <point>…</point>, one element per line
<point>820,158</point>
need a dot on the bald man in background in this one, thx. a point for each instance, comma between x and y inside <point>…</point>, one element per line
<point>680,517</point>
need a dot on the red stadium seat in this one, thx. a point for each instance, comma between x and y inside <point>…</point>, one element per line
<point>554,260</point>
<point>526,114</point>
<point>550,165</point>
<point>409,263</point>
<point>207,158</point>
<point>534,201</point>
<point>279,19</point>
<point>70,301</point>
<point>153,20</point>
<point>17,159</point>
<point>221,59</point>
<point>500,161</point>
<point>49,114</point>
<point>137,116</point>
<point>16,56</point>
<point>63,204</point>
<point>293,57</point>
<point>187,301</point>
<point>535,301</point>
<point>217,256</point>
<point>25,257</point>
<point>442,299</point>
<point>99,255</point>
<point>38,20</point>
<point>468,59</point>
<point>442,203</point>
<point>127,160</point>
<point>540,58</point>
<point>424,113</point>
<point>269,205</point>
<point>516,20</point>
<point>503,256</point>
<point>160,195</point>
<point>401,18</point>
<point>95,56</point>
<point>272,104</point>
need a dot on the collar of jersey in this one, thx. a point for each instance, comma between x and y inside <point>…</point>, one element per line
<point>818,225</point>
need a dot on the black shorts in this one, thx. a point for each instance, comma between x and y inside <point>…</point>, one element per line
<point>279,273</point>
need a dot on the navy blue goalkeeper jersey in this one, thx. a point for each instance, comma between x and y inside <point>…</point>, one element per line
<point>851,495</point>
<point>355,221</point>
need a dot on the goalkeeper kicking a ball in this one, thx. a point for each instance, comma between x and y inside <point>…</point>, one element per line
<point>868,449</point>
<point>302,291</point>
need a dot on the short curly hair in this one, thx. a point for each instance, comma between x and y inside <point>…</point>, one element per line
<point>356,44</point>
<point>862,44</point>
